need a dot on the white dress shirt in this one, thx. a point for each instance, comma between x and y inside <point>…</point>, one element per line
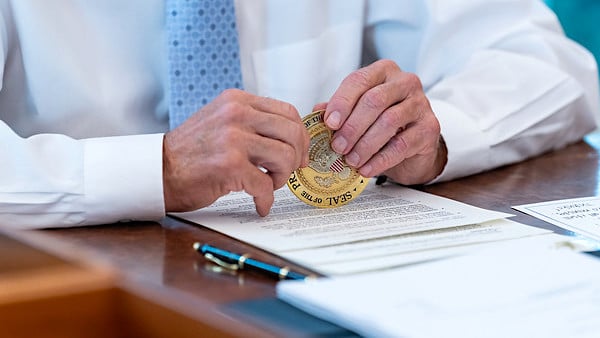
<point>84,97</point>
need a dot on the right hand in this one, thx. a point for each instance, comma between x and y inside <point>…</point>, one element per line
<point>384,124</point>
<point>223,146</point>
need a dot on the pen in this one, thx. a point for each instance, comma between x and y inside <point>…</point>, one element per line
<point>236,261</point>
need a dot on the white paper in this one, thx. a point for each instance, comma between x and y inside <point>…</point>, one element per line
<point>516,289</point>
<point>379,211</point>
<point>580,215</point>
<point>385,253</point>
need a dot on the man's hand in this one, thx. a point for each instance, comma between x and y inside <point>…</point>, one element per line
<point>237,142</point>
<point>384,124</point>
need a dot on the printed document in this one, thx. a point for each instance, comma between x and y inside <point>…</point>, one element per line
<point>396,251</point>
<point>380,211</point>
<point>386,226</point>
<point>510,290</point>
<point>580,215</point>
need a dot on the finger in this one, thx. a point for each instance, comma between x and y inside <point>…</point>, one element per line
<point>422,167</point>
<point>236,121</point>
<point>239,98</point>
<point>372,103</point>
<point>277,107</point>
<point>258,185</point>
<point>273,124</point>
<point>389,123</point>
<point>392,153</point>
<point>413,141</point>
<point>285,131</point>
<point>351,89</point>
<point>360,120</point>
<point>275,156</point>
<point>260,103</point>
<point>263,205</point>
<point>320,106</point>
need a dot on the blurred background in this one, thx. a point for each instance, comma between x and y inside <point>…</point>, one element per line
<point>580,20</point>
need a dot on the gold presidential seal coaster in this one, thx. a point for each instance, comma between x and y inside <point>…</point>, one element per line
<point>327,181</point>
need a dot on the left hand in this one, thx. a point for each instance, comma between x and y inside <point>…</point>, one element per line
<point>383,123</point>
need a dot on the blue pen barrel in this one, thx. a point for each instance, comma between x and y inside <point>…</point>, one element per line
<point>222,254</point>
<point>244,262</point>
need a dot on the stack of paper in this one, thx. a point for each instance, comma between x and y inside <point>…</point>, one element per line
<point>386,226</point>
<point>581,215</point>
<point>512,291</point>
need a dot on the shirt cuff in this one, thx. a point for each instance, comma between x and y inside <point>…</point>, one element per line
<point>123,178</point>
<point>465,142</point>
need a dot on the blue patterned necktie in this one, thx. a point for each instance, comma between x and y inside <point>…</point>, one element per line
<point>203,54</point>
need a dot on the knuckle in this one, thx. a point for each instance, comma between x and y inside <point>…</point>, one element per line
<point>431,127</point>
<point>388,64</point>
<point>391,118</point>
<point>229,134</point>
<point>422,104</point>
<point>350,129</point>
<point>231,94</point>
<point>366,145</point>
<point>397,145</point>
<point>435,127</point>
<point>413,81</point>
<point>295,140</point>
<point>289,159</point>
<point>279,180</point>
<point>385,159</point>
<point>289,111</point>
<point>341,100</point>
<point>359,78</point>
<point>232,111</point>
<point>375,98</point>
<point>298,134</point>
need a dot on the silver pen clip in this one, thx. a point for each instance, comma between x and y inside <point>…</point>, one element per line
<point>220,262</point>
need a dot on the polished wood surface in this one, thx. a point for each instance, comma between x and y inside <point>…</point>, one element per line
<point>158,259</point>
<point>568,173</point>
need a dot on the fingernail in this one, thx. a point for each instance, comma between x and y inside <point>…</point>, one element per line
<point>333,120</point>
<point>339,144</point>
<point>352,159</point>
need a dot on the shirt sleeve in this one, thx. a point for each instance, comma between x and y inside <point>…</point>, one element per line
<point>51,180</point>
<point>503,80</point>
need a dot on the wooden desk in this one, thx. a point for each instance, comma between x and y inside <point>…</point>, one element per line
<point>157,260</point>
